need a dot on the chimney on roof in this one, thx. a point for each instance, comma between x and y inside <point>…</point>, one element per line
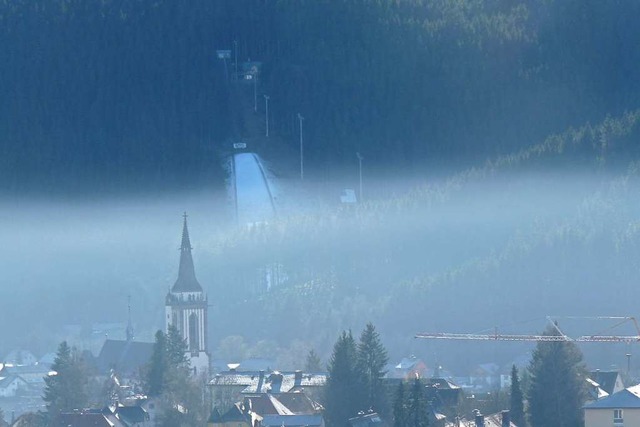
<point>298,378</point>
<point>276,382</point>
<point>479,418</point>
<point>506,418</point>
<point>260,381</point>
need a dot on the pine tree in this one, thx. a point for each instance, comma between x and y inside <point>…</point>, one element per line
<point>67,389</point>
<point>168,376</point>
<point>344,395</point>
<point>176,349</point>
<point>400,408</point>
<point>313,363</point>
<point>3,422</point>
<point>372,359</point>
<point>516,399</point>
<point>157,367</point>
<point>417,406</point>
<point>556,391</point>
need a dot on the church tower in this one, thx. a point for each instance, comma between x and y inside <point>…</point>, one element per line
<point>186,308</point>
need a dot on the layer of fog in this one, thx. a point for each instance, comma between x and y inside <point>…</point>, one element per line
<point>76,262</point>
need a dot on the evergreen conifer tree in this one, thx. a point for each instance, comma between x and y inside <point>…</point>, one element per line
<point>417,406</point>
<point>556,391</point>
<point>372,359</point>
<point>344,395</point>
<point>3,422</point>
<point>66,390</point>
<point>400,407</point>
<point>313,363</point>
<point>516,399</point>
<point>176,349</point>
<point>157,367</point>
<point>168,376</point>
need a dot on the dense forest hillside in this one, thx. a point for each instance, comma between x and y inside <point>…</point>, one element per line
<point>521,237</point>
<point>521,116</point>
<point>116,95</point>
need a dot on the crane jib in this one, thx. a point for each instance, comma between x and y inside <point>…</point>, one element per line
<point>513,337</point>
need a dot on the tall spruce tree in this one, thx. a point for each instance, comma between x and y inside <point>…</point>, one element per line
<point>344,395</point>
<point>417,406</point>
<point>157,367</point>
<point>400,407</point>
<point>3,422</point>
<point>372,359</point>
<point>557,388</point>
<point>176,349</point>
<point>66,390</point>
<point>168,377</point>
<point>516,399</point>
<point>313,363</point>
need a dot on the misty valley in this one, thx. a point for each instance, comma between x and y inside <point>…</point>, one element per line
<point>332,214</point>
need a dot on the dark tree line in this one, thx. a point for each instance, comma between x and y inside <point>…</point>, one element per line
<point>131,95</point>
<point>355,377</point>
<point>66,390</point>
<point>168,378</point>
<point>411,409</point>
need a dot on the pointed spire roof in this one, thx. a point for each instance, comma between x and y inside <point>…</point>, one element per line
<point>186,281</point>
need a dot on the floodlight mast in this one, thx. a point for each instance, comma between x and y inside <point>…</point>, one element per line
<point>545,338</point>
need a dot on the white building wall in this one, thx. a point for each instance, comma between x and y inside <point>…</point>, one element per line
<point>604,418</point>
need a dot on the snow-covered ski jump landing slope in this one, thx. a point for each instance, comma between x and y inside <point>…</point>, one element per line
<point>251,189</point>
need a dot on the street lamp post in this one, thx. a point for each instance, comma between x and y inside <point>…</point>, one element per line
<point>360,173</point>
<point>255,92</point>
<point>235,51</point>
<point>300,119</point>
<point>266,113</point>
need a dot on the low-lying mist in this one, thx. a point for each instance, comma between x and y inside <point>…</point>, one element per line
<point>440,256</point>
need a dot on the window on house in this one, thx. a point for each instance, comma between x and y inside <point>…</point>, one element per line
<point>618,417</point>
<point>193,333</point>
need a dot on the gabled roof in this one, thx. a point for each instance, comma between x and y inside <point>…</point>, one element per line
<point>7,381</point>
<point>407,363</point>
<point>125,357</point>
<point>441,384</point>
<point>299,403</point>
<point>266,404</point>
<point>132,414</point>
<point>20,357</point>
<point>215,417</point>
<point>594,390</point>
<point>234,414</point>
<point>269,382</point>
<point>627,398</point>
<point>493,420</point>
<point>605,379</point>
<point>186,281</point>
<point>291,420</point>
<point>88,419</point>
<point>371,419</point>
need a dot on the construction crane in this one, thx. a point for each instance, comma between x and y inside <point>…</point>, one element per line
<point>548,338</point>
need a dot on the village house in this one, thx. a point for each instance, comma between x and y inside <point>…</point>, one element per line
<point>289,409</point>
<point>408,368</point>
<point>609,381</point>
<point>500,419</point>
<point>618,410</point>
<point>231,386</point>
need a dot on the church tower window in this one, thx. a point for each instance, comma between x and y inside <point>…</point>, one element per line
<point>193,332</point>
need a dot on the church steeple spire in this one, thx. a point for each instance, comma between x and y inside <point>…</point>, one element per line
<point>186,307</point>
<point>186,243</point>
<point>186,281</point>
